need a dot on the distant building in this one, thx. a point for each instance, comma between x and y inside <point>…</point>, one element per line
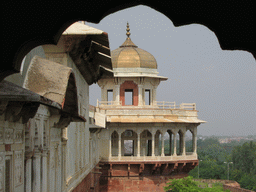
<point>132,143</point>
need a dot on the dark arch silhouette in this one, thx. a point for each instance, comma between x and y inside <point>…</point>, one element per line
<point>27,24</point>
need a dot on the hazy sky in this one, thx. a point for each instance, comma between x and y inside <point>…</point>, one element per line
<point>221,83</point>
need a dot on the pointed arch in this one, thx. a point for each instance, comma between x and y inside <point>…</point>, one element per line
<point>114,143</point>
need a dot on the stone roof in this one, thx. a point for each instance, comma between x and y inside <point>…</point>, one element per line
<point>81,29</point>
<point>55,82</point>
<point>12,92</point>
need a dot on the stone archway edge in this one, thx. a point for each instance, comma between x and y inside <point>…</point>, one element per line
<point>234,25</point>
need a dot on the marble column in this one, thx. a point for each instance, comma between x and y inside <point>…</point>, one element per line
<point>174,144</point>
<point>162,139</point>
<point>153,97</point>
<point>28,173</point>
<point>44,170</point>
<point>37,171</point>
<point>153,144</point>
<point>195,141</point>
<point>140,95</point>
<point>119,145</point>
<point>110,146</point>
<point>116,93</point>
<point>138,145</point>
<point>183,144</point>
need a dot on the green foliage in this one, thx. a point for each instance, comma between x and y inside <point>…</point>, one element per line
<point>244,159</point>
<point>213,155</point>
<point>187,184</point>
<point>248,181</point>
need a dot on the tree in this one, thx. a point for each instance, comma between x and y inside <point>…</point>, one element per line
<point>248,181</point>
<point>244,159</point>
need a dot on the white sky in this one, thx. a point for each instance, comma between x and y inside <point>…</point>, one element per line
<point>221,83</point>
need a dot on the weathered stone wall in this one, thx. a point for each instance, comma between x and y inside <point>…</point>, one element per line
<point>12,147</point>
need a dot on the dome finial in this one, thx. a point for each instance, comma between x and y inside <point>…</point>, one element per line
<point>128,29</point>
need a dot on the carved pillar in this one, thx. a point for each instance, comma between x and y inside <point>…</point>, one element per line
<point>119,145</point>
<point>162,139</point>
<point>183,143</point>
<point>37,171</point>
<point>28,173</point>
<point>195,141</point>
<point>153,95</point>
<point>174,144</point>
<point>44,170</point>
<point>110,146</point>
<point>140,102</point>
<point>116,93</point>
<point>138,144</point>
<point>153,144</point>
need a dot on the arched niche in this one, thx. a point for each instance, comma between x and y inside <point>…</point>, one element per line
<point>158,143</point>
<point>189,142</point>
<point>114,143</point>
<point>129,143</point>
<point>146,143</point>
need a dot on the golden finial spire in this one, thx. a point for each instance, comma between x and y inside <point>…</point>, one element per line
<point>128,29</point>
<point>128,42</point>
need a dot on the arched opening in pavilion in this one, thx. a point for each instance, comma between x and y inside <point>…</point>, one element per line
<point>114,143</point>
<point>168,142</point>
<point>180,142</point>
<point>146,143</point>
<point>129,144</point>
<point>158,143</point>
<point>189,142</point>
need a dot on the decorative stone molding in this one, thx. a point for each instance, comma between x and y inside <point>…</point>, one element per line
<point>8,136</point>
<point>1,135</point>
<point>2,170</point>
<point>18,135</point>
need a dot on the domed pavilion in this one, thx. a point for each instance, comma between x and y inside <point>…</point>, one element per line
<point>142,137</point>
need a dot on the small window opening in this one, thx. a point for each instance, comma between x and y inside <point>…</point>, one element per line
<point>128,96</point>
<point>147,97</point>
<point>110,95</point>
<point>128,147</point>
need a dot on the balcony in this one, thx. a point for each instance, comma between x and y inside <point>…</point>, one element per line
<point>188,156</point>
<point>156,105</point>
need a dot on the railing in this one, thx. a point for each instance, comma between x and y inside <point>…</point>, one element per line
<point>172,105</point>
<point>156,104</point>
<point>188,106</point>
<point>109,103</point>
<point>165,104</point>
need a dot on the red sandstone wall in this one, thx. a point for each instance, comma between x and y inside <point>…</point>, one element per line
<point>91,183</point>
<point>136,184</point>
